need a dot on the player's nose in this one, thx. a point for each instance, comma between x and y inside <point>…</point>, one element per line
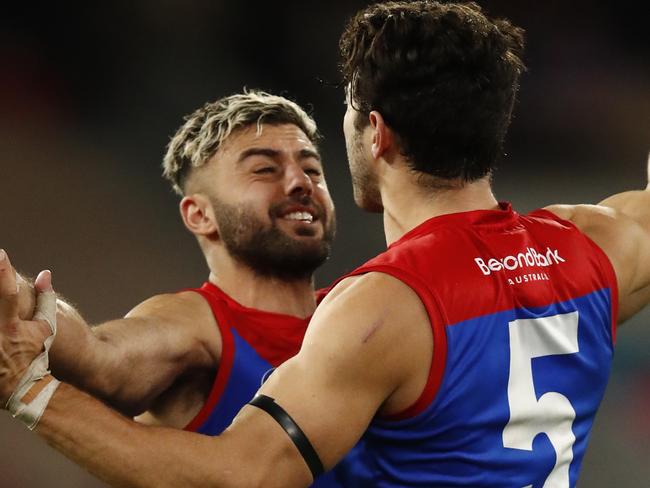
<point>297,181</point>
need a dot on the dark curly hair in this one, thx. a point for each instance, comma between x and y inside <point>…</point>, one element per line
<point>443,76</point>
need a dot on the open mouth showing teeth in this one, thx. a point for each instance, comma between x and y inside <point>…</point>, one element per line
<point>299,216</point>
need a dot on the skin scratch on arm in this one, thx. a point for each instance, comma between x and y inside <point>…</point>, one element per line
<point>376,325</point>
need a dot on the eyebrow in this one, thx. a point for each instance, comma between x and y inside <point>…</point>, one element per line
<point>273,153</point>
<point>309,153</point>
<point>257,151</point>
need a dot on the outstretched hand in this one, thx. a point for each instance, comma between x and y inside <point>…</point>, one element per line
<point>21,341</point>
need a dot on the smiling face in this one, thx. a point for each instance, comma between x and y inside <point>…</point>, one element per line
<point>271,204</point>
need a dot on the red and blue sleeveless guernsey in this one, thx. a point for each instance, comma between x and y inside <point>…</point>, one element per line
<point>253,343</point>
<point>522,309</point>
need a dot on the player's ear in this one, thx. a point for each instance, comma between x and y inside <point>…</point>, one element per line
<point>198,214</point>
<point>382,135</point>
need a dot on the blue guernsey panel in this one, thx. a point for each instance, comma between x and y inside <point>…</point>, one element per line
<point>515,408</point>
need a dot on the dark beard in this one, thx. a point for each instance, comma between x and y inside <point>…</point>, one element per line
<point>267,250</point>
<point>364,183</point>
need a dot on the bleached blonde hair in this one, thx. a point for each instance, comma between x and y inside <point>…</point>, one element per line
<point>206,129</point>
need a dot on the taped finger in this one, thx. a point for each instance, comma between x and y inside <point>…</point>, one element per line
<point>46,308</point>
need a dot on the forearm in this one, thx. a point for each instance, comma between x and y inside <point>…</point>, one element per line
<point>126,454</point>
<point>78,357</point>
<point>130,361</point>
<point>90,360</point>
<point>69,350</point>
<point>70,355</point>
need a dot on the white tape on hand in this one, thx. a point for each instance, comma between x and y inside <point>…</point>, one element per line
<point>31,413</point>
<point>46,311</point>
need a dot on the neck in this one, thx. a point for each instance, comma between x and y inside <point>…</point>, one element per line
<point>264,293</point>
<point>407,204</point>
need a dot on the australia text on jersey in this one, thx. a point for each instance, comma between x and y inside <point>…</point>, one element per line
<point>530,258</point>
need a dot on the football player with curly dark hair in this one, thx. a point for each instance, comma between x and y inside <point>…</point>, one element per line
<point>473,352</point>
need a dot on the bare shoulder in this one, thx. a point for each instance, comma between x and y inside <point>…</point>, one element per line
<point>373,294</point>
<point>585,216</point>
<point>371,285</point>
<point>611,229</point>
<point>606,226</point>
<point>375,319</point>
<point>186,315</point>
<point>184,306</point>
<point>620,237</point>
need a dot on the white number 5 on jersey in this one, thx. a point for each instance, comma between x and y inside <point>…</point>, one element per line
<point>552,414</point>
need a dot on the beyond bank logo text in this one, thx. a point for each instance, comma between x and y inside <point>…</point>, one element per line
<point>528,259</point>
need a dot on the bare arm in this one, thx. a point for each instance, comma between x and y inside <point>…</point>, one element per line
<point>620,225</point>
<point>633,204</point>
<point>328,388</point>
<point>128,362</point>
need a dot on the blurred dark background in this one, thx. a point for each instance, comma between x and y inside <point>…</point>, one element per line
<point>91,93</point>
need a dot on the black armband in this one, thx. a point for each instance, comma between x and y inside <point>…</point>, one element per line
<point>295,433</point>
